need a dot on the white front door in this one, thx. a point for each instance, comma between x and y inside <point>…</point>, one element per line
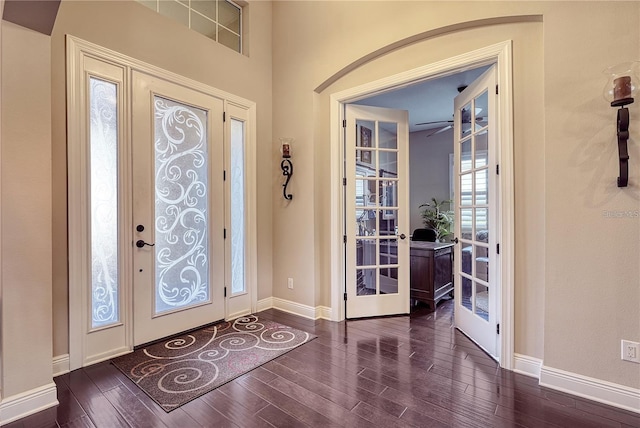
<point>477,282</point>
<point>178,208</point>
<point>376,211</point>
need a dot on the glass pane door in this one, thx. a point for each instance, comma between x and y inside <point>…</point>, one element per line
<point>473,206</point>
<point>376,210</point>
<point>377,144</point>
<point>476,282</point>
<point>178,209</point>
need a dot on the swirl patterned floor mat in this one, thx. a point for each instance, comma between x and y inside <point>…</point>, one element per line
<point>177,370</point>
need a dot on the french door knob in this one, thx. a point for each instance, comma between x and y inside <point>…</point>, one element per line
<point>140,243</point>
<point>455,240</point>
<point>403,236</point>
<point>140,228</point>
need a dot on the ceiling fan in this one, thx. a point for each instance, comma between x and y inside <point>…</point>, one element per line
<point>448,124</point>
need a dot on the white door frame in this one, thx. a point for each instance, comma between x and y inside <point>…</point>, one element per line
<point>78,51</point>
<point>499,54</point>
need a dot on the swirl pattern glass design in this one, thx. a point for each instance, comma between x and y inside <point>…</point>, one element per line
<point>177,370</point>
<point>181,201</point>
<point>103,129</point>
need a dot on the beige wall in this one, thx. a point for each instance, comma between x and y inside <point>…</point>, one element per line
<point>26,210</point>
<point>132,29</point>
<point>592,262</point>
<point>577,281</point>
<point>428,170</point>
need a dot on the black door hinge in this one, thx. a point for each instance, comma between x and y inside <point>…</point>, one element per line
<point>225,291</point>
<point>224,116</point>
<point>224,175</point>
<point>496,89</point>
<point>344,181</point>
<point>344,123</point>
<point>225,233</point>
<point>344,238</point>
<point>345,297</point>
<point>497,328</point>
<point>498,248</point>
<point>498,169</point>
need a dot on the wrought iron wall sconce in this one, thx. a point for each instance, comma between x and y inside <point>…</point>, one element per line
<point>620,91</point>
<point>286,165</point>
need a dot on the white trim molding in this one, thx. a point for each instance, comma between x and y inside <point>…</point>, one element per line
<point>27,403</point>
<point>598,390</point>
<point>60,365</point>
<point>305,311</point>
<point>527,365</point>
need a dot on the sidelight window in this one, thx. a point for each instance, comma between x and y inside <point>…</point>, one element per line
<point>103,130</point>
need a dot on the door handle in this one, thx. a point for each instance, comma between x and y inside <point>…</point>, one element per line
<point>403,236</point>
<point>455,240</point>
<point>140,243</point>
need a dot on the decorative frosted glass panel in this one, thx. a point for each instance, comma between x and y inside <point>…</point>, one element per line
<point>181,215</point>
<point>103,126</point>
<point>237,207</point>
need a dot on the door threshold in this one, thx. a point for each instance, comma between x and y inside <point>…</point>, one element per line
<point>162,339</point>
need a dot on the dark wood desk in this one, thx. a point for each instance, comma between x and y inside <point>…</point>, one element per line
<point>431,271</point>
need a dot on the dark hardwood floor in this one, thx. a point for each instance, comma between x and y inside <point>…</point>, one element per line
<point>412,371</point>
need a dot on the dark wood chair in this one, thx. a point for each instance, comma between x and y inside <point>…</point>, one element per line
<point>424,235</point>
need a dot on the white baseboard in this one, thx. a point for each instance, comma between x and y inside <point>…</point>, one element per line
<point>27,403</point>
<point>60,365</point>
<point>305,311</point>
<point>527,365</point>
<point>237,315</point>
<point>598,390</point>
<point>264,304</point>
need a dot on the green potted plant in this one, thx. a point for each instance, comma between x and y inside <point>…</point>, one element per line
<point>435,217</point>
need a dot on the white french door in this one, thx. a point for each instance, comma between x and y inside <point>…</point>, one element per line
<point>178,208</point>
<point>376,211</point>
<point>477,280</point>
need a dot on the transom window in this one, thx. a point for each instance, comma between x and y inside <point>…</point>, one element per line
<point>220,20</point>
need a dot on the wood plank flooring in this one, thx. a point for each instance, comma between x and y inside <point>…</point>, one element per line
<point>412,371</point>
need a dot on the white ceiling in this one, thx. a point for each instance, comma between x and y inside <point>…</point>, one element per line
<point>426,101</point>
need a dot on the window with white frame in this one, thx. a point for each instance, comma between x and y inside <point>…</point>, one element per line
<point>220,20</point>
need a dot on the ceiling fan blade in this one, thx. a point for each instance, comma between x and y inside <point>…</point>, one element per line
<point>444,128</point>
<point>434,122</point>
